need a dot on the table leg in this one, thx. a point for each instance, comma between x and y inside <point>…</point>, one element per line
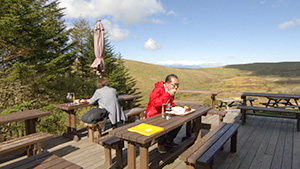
<point>188,131</point>
<point>68,121</point>
<point>30,126</point>
<point>144,157</point>
<point>71,126</point>
<point>198,128</point>
<point>268,104</point>
<point>131,155</point>
<point>251,103</point>
<point>227,106</point>
<point>73,123</point>
<point>129,104</point>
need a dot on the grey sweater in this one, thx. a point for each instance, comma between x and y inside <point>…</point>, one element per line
<point>107,98</point>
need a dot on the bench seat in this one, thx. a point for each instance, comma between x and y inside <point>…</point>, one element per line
<point>265,109</point>
<point>131,113</point>
<point>218,112</point>
<point>111,142</point>
<point>32,142</point>
<point>202,152</point>
<point>135,112</point>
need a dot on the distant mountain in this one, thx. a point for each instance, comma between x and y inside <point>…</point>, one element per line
<point>183,66</point>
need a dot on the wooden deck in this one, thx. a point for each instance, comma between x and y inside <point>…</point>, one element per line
<point>263,142</point>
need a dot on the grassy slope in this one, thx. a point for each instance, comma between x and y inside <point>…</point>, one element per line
<point>273,78</point>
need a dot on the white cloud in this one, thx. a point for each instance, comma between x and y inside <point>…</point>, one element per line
<point>114,32</point>
<point>262,2</point>
<point>171,12</point>
<point>128,12</point>
<point>291,23</point>
<point>188,63</point>
<point>150,44</point>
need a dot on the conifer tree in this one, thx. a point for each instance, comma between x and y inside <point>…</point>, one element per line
<point>35,54</point>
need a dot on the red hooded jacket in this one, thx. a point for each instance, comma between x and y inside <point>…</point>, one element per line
<point>158,96</point>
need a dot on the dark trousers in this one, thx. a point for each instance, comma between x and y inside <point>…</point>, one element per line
<point>169,137</point>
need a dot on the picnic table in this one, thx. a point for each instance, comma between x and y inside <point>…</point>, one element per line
<point>70,110</point>
<point>213,95</point>
<point>144,142</point>
<point>29,116</point>
<point>229,102</point>
<point>272,106</point>
<point>278,101</point>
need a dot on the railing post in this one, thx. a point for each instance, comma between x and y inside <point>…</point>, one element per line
<point>213,101</point>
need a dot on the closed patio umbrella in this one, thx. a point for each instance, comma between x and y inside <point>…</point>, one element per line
<point>98,64</point>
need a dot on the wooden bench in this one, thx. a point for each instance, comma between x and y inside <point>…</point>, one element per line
<point>131,114</point>
<point>95,127</point>
<point>135,112</point>
<point>265,109</point>
<point>43,160</point>
<point>112,142</point>
<point>218,112</point>
<point>202,152</point>
<point>32,142</point>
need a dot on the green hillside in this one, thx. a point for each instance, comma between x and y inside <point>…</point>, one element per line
<point>257,77</point>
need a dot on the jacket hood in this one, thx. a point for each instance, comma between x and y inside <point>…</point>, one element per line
<point>160,84</point>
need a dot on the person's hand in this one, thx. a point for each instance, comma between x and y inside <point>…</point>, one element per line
<point>172,92</point>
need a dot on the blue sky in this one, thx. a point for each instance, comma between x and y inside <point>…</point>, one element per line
<point>196,32</point>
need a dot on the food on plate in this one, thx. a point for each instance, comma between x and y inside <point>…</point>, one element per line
<point>187,108</point>
<point>178,110</point>
<point>82,101</point>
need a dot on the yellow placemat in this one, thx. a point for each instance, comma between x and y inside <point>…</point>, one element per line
<point>145,129</point>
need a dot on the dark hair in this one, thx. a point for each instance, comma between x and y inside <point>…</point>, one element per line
<point>102,82</point>
<point>168,78</point>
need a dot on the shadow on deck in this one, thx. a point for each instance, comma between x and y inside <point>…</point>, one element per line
<point>263,142</point>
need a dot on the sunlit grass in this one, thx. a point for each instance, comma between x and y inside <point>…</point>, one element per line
<point>229,80</point>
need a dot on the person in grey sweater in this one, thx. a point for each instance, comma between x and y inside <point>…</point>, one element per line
<point>107,98</point>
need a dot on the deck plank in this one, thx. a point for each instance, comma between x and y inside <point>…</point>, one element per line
<point>296,148</point>
<point>258,159</point>
<point>288,146</point>
<point>267,159</point>
<point>263,142</point>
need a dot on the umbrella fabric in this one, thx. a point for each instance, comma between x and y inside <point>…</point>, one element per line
<point>98,64</point>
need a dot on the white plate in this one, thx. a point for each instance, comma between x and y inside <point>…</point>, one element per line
<point>178,110</point>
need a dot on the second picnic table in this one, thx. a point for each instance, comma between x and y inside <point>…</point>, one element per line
<point>30,117</point>
<point>228,102</point>
<point>70,110</point>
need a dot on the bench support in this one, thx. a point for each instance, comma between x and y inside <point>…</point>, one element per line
<point>292,111</point>
<point>111,142</point>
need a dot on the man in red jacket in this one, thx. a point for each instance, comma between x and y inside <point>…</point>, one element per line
<point>163,93</point>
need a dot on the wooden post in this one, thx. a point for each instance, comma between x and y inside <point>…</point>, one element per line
<point>213,101</point>
<point>68,121</point>
<point>108,160</point>
<point>243,111</point>
<point>131,155</point>
<point>233,145</point>
<point>198,128</point>
<point>144,157</point>
<point>91,134</point>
